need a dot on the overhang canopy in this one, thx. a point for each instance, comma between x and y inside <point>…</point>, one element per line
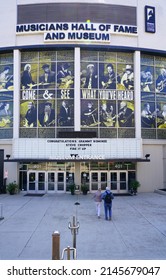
<point>30,160</point>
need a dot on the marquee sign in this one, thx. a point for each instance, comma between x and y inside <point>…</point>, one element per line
<point>76,32</point>
<point>77,149</point>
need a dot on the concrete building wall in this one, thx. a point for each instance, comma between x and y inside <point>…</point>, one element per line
<point>152,174</point>
<point>143,40</point>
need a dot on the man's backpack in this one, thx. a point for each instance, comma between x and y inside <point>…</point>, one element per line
<point>108,198</point>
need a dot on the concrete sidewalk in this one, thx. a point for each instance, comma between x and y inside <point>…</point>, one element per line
<point>137,229</point>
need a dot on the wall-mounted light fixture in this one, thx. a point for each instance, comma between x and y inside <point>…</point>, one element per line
<point>8,156</point>
<point>147,156</point>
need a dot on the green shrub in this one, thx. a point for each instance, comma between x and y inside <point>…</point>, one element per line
<point>72,188</point>
<point>12,188</point>
<point>84,188</point>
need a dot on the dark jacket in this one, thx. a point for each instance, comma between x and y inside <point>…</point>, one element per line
<point>104,195</point>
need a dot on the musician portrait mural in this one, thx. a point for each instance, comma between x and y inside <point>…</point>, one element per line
<point>6,78</point>
<point>47,75</point>
<point>65,94</point>
<point>89,77</point>
<point>147,79</point>
<point>65,76</point>
<point>108,77</point>
<point>127,77</point>
<point>107,114</point>
<point>126,114</point>
<point>46,114</point>
<point>65,112</point>
<point>153,96</point>
<point>161,80</point>
<point>28,114</point>
<point>46,93</point>
<point>89,113</point>
<point>6,114</point>
<point>6,95</point>
<point>148,115</point>
<point>107,93</point>
<point>161,115</point>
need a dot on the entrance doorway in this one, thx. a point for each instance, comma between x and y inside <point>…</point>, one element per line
<point>98,179</point>
<point>53,181</point>
<point>119,181</point>
<point>116,180</point>
<point>45,182</point>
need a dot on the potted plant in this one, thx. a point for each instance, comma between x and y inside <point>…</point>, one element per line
<point>72,188</point>
<point>12,188</point>
<point>134,185</point>
<point>84,188</point>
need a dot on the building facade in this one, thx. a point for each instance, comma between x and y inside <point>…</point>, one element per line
<point>83,94</point>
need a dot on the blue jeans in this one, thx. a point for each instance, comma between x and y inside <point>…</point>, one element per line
<point>108,210</point>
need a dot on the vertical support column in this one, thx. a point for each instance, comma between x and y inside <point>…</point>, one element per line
<point>137,93</point>
<point>1,212</point>
<point>77,173</point>
<point>77,106</point>
<point>16,109</point>
<point>56,246</point>
<point>1,170</point>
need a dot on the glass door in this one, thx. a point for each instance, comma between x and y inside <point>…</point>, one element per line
<point>103,180</point>
<point>123,187</point>
<point>98,179</point>
<point>56,181</point>
<point>118,181</point>
<point>31,184</point>
<point>41,182</point>
<point>114,181</point>
<point>61,181</point>
<point>94,180</point>
<point>51,182</point>
<point>36,182</point>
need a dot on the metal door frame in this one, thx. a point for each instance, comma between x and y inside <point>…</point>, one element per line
<point>118,172</point>
<point>109,182</point>
<point>36,190</point>
<point>99,182</point>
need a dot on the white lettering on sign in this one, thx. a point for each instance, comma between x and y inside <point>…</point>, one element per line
<point>89,93</point>
<point>113,95</point>
<point>78,157</point>
<point>29,94</point>
<point>65,94</point>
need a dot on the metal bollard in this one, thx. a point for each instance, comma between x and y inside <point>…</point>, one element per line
<point>74,230</point>
<point>68,250</point>
<point>1,212</point>
<point>56,245</point>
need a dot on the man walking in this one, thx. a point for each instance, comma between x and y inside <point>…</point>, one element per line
<point>107,196</point>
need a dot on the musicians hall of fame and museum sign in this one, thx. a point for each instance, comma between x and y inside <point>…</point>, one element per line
<point>76,32</point>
